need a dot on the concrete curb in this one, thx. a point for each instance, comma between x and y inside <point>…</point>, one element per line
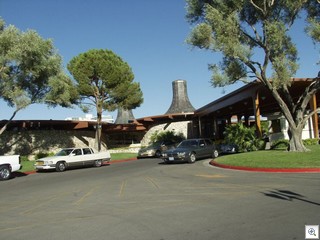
<point>275,170</point>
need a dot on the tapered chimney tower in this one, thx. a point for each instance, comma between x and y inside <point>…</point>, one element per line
<point>124,116</point>
<point>180,101</point>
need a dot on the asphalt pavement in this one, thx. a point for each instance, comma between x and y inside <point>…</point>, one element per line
<point>146,200</point>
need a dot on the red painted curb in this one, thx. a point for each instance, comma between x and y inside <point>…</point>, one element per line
<point>279,170</point>
<point>122,160</point>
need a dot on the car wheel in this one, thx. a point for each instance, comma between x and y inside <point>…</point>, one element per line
<point>5,173</point>
<point>60,166</point>
<point>192,158</point>
<point>157,154</point>
<point>97,163</point>
<point>215,153</point>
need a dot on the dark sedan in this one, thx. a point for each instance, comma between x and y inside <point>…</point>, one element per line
<point>191,150</point>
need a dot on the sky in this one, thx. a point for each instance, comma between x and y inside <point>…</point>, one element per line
<point>149,35</point>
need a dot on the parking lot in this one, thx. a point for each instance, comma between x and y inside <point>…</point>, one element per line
<point>146,199</point>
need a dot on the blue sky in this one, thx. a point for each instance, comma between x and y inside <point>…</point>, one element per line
<point>148,34</point>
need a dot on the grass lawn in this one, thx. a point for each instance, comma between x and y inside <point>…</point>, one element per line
<point>27,166</point>
<point>121,156</point>
<point>274,159</point>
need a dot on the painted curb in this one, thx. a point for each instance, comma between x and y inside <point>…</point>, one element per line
<point>123,160</point>
<point>275,170</point>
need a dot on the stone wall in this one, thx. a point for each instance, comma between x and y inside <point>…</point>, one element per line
<point>31,142</point>
<point>45,141</point>
<point>178,127</point>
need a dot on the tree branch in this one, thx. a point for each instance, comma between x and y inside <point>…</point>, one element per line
<point>9,121</point>
<point>309,91</point>
<point>288,98</point>
<point>257,7</point>
<point>307,116</point>
<point>256,41</point>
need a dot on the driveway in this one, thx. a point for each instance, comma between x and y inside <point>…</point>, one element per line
<point>146,200</point>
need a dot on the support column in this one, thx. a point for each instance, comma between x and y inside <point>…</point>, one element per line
<point>314,117</point>
<point>256,107</point>
<point>246,120</point>
<point>199,126</point>
<point>215,128</point>
<point>229,120</point>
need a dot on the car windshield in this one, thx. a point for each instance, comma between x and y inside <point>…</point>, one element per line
<point>189,143</point>
<point>64,152</point>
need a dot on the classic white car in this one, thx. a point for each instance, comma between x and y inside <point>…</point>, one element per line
<point>73,157</point>
<point>9,164</point>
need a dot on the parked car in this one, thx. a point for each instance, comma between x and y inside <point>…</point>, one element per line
<point>156,149</point>
<point>9,164</point>
<point>72,157</point>
<point>191,150</point>
<point>228,148</point>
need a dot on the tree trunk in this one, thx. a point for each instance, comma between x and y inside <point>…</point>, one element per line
<point>98,130</point>
<point>294,119</point>
<point>295,142</point>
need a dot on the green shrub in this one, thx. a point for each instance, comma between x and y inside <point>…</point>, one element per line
<point>43,154</point>
<point>24,158</point>
<point>243,137</point>
<point>310,141</point>
<point>280,144</point>
<point>284,143</point>
<point>167,136</point>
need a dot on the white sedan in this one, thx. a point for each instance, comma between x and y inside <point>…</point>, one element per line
<point>73,157</point>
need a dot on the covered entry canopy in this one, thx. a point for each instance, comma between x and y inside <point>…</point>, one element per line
<point>253,99</point>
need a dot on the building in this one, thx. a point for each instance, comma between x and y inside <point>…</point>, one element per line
<point>249,104</point>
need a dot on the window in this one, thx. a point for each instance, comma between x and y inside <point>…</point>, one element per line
<point>86,151</point>
<point>77,152</point>
<point>208,142</point>
<point>275,126</point>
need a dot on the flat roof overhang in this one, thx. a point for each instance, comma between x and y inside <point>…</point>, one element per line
<point>241,101</point>
<point>165,118</point>
<point>71,125</point>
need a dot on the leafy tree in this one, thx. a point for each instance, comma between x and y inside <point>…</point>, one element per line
<point>253,36</point>
<point>105,82</point>
<point>31,72</point>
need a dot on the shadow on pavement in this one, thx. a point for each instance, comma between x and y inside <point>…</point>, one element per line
<point>288,196</point>
<point>18,174</point>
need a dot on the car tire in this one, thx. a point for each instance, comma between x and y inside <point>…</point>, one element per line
<point>60,166</point>
<point>157,154</point>
<point>5,173</point>
<point>97,163</point>
<point>215,153</point>
<point>192,158</point>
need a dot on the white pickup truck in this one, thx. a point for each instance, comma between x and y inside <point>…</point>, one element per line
<point>9,164</point>
<point>73,157</point>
